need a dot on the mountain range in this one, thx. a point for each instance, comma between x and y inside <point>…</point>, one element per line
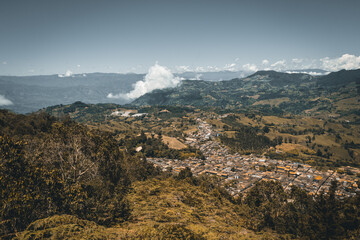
<point>266,91</point>
<point>30,93</point>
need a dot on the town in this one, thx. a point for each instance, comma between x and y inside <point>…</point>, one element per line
<point>240,173</point>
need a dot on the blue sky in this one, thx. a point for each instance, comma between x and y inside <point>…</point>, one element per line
<point>50,37</point>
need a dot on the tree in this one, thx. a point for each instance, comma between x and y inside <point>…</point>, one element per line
<point>185,173</point>
<point>319,153</point>
<point>27,191</point>
<point>267,200</point>
<point>266,129</point>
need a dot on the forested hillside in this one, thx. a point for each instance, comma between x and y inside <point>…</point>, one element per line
<point>60,179</point>
<point>54,167</point>
<point>268,92</point>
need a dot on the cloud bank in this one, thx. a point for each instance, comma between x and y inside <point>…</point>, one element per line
<point>158,77</point>
<point>68,73</point>
<point>346,61</point>
<point>4,101</point>
<point>250,67</point>
<point>309,72</point>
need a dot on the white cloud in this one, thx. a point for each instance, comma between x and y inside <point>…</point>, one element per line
<point>68,73</point>
<point>182,69</point>
<point>31,71</point>
<point>197,77</point>
<point>4,101</point>
<point>265,62</point>
<point>78,65</point>
<point>279,65</point>
<point>250,67</point>
<point>199,69</point>
<point>346,61</point>
<point>213,69</point>
<point>4,62</point>
<point>208,69</point>
<point>297,60</point>
<point>158,77</point>
<point>230,67</point>
<point>227,67</point>
<point>311,72</point>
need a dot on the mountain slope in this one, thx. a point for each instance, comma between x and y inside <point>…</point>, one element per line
<point>265,89</point>
<point>161,209</point>
<point>342,77</point>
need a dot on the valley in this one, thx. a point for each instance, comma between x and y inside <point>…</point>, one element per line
<point>239,173</point>
<point>270,156</point>
<point>167,120</point>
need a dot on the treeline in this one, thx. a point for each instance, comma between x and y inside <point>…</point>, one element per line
<point>246,141</point>
<point>52,167</point>
<point>82,112</point>
<point>246,138</point>
<point>315,131</point>
<point>154,147</point>
<point>301,215</point>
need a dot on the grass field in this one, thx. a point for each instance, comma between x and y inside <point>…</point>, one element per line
<point>272,102</point>
<point>173,143</point>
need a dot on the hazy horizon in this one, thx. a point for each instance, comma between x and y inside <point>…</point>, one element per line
<point>247,72</point>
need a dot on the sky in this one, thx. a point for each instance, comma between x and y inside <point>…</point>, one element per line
<point>40,37</point>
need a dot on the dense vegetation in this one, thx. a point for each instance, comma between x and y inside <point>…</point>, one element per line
<point>298,214</point>
<point>318,141</point>
<point>268,92</point>
<point>246,138</point>
<point>155,147</point>
<point>322,140</point>
<point>53,167</point>
<point>61,179</point>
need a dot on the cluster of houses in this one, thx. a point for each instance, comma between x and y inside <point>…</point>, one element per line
<point>240,173</point>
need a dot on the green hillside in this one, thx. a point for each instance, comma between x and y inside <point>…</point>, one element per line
<point>79,171</point>
<point>65,180</point>
<point>266,91</point>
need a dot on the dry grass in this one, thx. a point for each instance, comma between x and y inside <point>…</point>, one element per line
<point>173,143</point>
<point>348,104</point>
<point>276,120</point>
<point>191,130</point>
<point>245,120</point>
<point>255,96</point>
<point>286,147</point>
<point>160,209</point>
<point>326,140</point>
<point>273,102</point>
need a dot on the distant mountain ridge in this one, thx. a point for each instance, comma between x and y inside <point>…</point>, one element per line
<point>264,89</point>
<point>30,93</point>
